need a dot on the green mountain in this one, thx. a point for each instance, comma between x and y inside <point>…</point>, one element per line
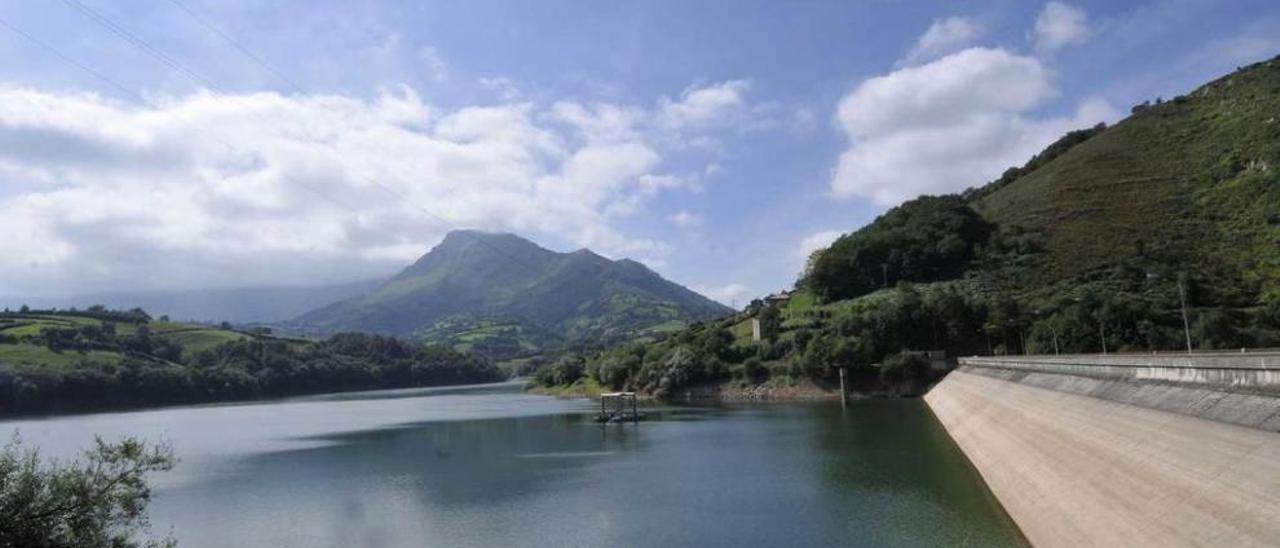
<point>1159,232</point>
<point>506,296</point>
<point>1189,186</point>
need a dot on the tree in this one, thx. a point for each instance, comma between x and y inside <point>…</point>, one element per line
<point>1219,328</point>
<point>770,322</point>
<point>100,501</point>
<point>565,371</point>
<point>904,368</point>
<point>927,239</point>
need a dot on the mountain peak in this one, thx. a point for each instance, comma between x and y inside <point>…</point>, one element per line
<point>479,279</point>
<point>470,235</point>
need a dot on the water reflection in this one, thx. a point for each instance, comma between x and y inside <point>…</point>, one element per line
<point>490,466</point>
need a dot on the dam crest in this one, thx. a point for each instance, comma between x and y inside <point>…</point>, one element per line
<point>1124,450</point>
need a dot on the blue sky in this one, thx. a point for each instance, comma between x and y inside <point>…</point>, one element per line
<point>716,141</point>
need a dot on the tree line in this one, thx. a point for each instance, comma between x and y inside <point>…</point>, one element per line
<point>153,369</point>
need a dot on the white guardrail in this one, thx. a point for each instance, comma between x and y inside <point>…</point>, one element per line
<point>1229,369</point>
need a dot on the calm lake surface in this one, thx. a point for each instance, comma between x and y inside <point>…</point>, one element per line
<point>490,466</point>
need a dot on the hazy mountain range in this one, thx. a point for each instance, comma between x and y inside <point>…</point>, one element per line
<point>235,305</point>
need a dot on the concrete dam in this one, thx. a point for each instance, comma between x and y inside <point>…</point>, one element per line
<point>1124,450</point>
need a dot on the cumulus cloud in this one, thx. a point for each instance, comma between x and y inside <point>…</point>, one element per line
<point>1060,25</point>
<point>944,36</point>
<point>214,190</point>
<point>504,88</point>
<point>946,125</point>
<point>703,106</point>
<point>729,294</point>
<point>813,242</point>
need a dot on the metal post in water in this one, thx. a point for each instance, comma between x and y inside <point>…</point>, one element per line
<point>844,398</point>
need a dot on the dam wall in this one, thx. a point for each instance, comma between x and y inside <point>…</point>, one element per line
<point>1124,450</point>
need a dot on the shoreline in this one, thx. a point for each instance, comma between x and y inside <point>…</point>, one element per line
<point>773,390</point>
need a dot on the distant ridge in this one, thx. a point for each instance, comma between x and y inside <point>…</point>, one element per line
<point>505,295</point>
<point>240,305</point>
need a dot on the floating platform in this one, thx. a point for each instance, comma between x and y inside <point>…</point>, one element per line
<point>618,407</point>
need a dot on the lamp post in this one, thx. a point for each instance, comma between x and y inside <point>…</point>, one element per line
<point>1186,325</point>
<point>1182,302</point>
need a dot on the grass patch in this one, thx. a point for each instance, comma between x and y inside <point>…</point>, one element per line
<point>585,387</point>
<point>40,356</point>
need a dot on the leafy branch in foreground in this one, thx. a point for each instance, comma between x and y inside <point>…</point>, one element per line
<point>98,501</point>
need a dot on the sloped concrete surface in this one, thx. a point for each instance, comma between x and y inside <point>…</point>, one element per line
<point>1076,470</point>
<point>1250,407</point>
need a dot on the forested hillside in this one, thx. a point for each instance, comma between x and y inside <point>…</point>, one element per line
<point>1158,232</point>
<point>69,359</point>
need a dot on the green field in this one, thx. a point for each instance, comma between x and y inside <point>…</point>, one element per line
<point>27,351</point>
<point>33,355</point>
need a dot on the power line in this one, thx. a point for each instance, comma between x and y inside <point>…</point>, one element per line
<point>141,44</point>
<point>206,23</point>
<point>140,98</point>
<point>127,36</point>
<point>67,59</point>
<point>147,48</point>
<point>270,69</point>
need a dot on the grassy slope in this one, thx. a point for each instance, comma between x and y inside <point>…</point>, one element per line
<point>1193,182</point>
<point>193,338</point>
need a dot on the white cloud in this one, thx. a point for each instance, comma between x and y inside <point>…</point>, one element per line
<point>601,122</point>
<point>505,88</point>
<point>729,294</point>
<point>436,68</point>
<point>813,242</point>
<point>944,36</point>
<point>686,220</point>
<point>210,190</point>
<point>947,125</point>
<point>1060,25</point>
<point>709,105</point>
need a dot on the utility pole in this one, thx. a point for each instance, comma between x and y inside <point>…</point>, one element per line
<point>884,273</point>
<point>1186,325</point>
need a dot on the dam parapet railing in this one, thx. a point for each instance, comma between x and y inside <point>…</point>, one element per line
<point>1255,371</point>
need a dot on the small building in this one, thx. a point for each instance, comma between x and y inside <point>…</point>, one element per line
<point>779,299</point>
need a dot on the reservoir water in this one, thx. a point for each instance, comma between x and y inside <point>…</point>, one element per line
<point>490,466</point>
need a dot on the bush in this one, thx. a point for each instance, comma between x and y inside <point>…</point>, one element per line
<point>565,371</point>
<point>904,367</point>
<point>100,502</point>
<point>754,370</point>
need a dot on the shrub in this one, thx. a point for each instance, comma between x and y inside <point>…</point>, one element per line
<point>904,367</point>
<point>99,502</point>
